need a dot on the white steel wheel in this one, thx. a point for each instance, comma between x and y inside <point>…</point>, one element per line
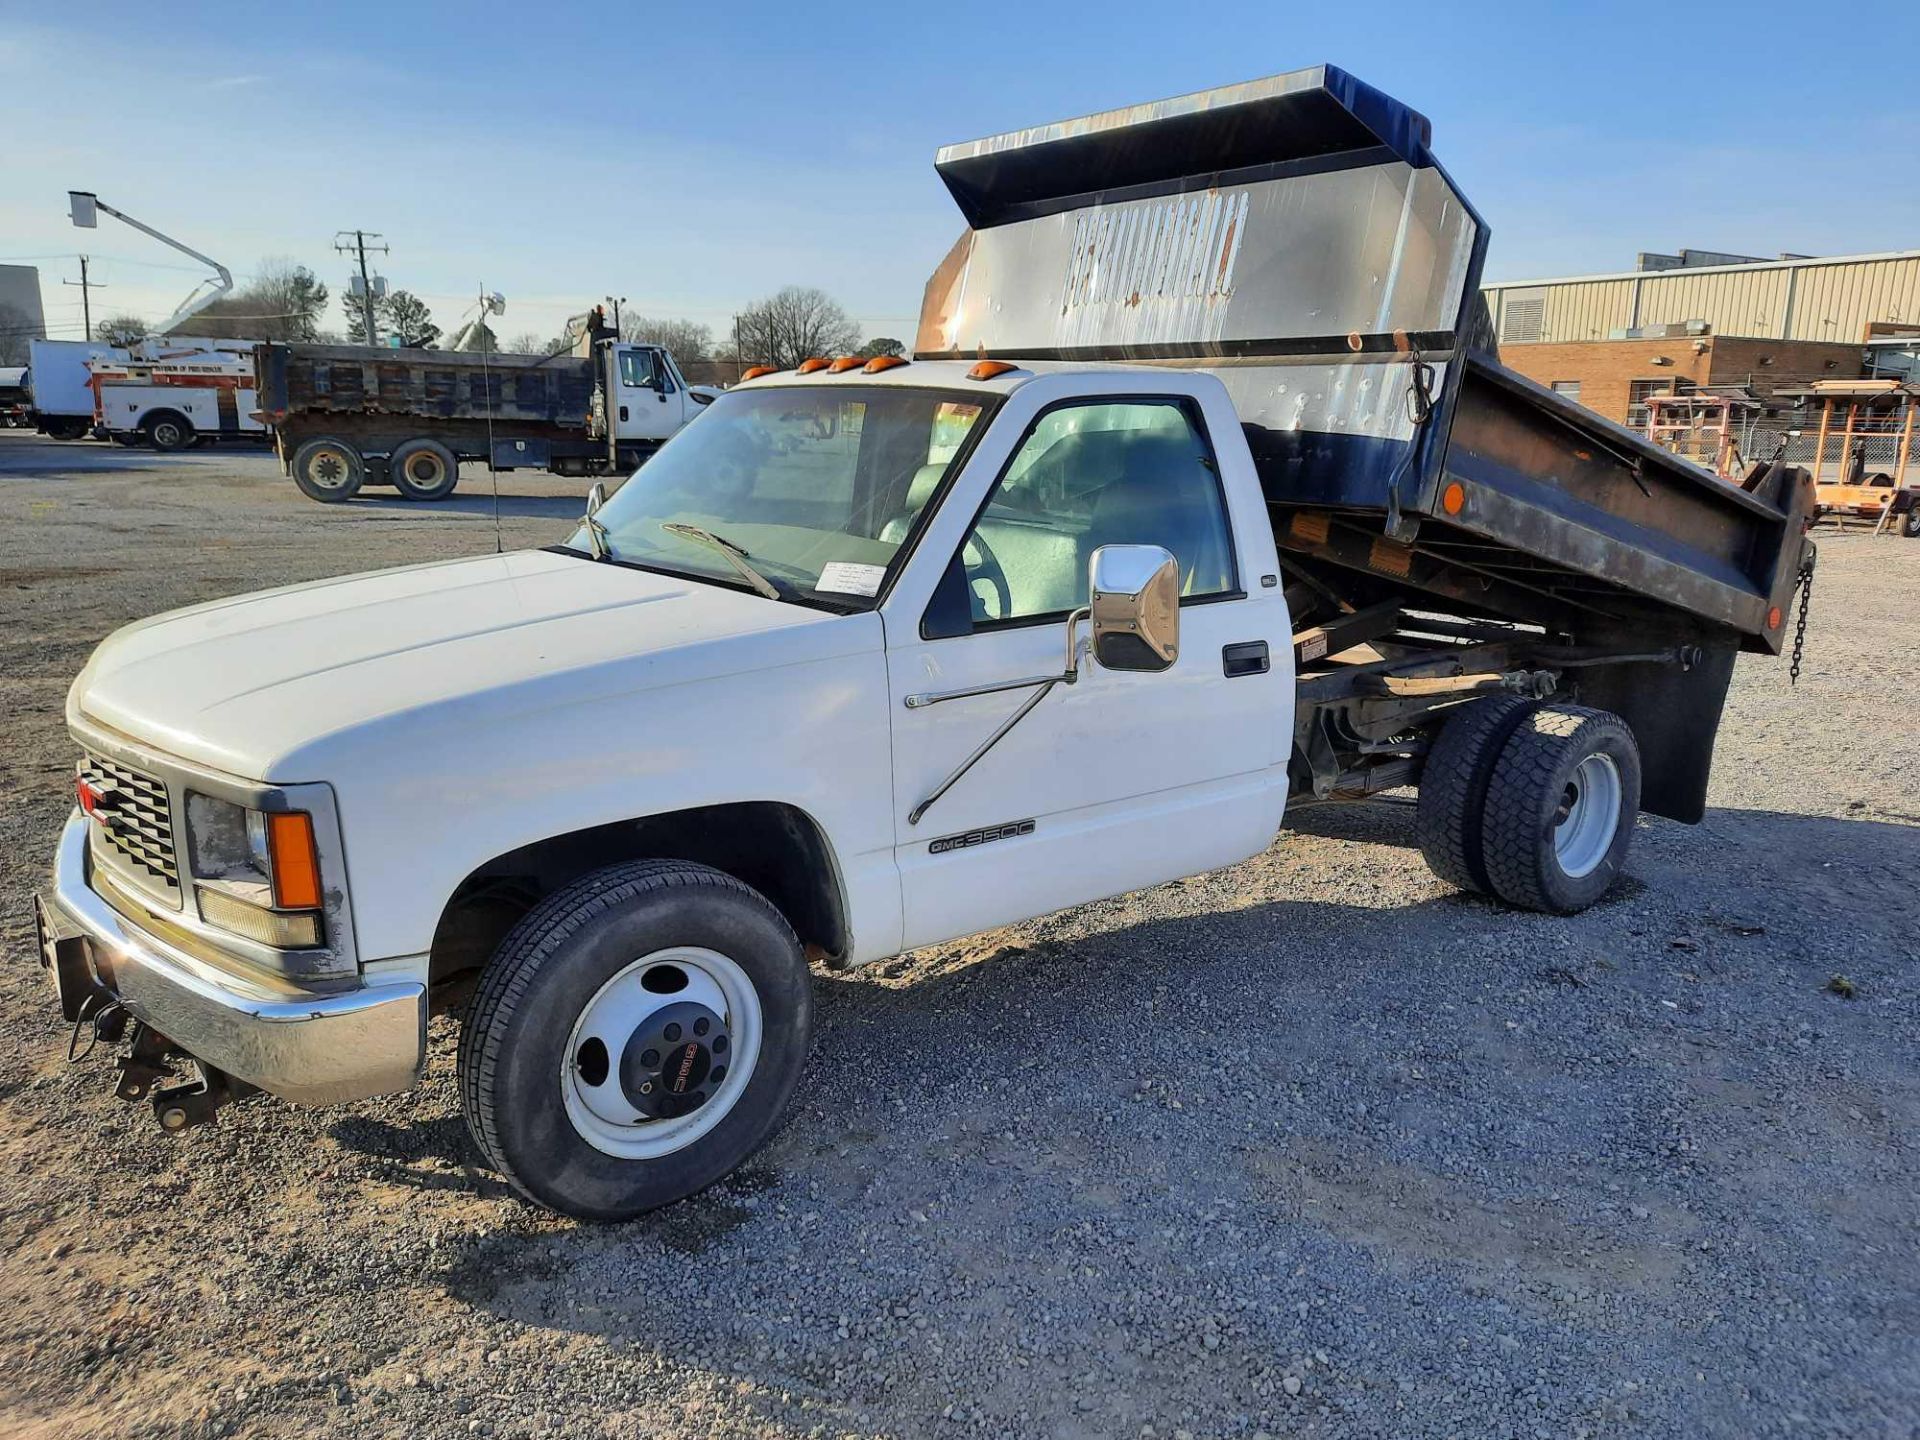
<point>661,1053</point>
<point>1588,815</point>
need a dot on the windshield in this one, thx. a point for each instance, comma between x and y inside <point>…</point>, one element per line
<point>814,488</point>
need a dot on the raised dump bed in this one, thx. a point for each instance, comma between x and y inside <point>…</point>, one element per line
<point>1296,237</point>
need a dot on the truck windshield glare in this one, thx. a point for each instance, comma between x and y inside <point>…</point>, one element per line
<point>816,489</point>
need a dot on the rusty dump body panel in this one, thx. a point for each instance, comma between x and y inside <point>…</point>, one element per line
<point>1296,238</point>
<point>308,383</point>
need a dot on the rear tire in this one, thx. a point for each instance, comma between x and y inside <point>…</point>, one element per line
<point>1453,787</point>
<point>423,470</point>
<point>566,1087</point>
<point>168,431</point>
<point>1560,809</point>
<point>1910,523</point>
<point>328,470</point>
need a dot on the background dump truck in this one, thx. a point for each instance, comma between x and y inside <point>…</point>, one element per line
<point>1202,497</point>
<point>348,415</point>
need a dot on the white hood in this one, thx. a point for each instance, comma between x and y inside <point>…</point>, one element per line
<point>255,685</point>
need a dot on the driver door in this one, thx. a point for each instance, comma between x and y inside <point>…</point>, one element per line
<point>1118,780</point>
<point>649,400</point>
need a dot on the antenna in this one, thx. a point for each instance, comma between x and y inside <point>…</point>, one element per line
<point>491,303</point>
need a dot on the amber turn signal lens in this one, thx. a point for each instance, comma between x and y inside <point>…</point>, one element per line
<point>1774,617</point>
<point>296,868</point>
<point>987,369</point>
<point>1453,499</point>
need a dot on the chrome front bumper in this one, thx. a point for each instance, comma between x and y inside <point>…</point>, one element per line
<point>313,1046</point>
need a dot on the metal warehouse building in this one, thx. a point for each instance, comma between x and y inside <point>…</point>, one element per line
<point>1769,340</point>
<point>1838,298</point>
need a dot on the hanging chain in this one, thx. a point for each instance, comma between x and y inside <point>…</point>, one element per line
<point>1805,583</point>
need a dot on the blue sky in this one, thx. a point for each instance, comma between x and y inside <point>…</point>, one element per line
<point>694,157</point>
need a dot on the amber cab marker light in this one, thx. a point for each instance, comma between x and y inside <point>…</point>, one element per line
<point>846,363</point>
<point>1453,499</point>
<point>987,369</point>
<point>807,367</point>
<point>754,372</point>
<point>883,362</point>
<point>296,869</point>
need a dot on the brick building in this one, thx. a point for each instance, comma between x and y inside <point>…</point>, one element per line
<point>1615,377</point>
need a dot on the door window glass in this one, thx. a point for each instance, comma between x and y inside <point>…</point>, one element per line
<point>1112,473</point>
<point>638,368</point>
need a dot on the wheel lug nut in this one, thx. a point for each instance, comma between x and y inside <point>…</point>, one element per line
<point>719,1044</point>
<point>672,1032</point>
<point>700,1027</point>
<point>650,1058</point>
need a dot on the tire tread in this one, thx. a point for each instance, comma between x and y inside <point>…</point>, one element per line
<point>512,969</point>
<point>1453,787</point>
<point>1527,765</point>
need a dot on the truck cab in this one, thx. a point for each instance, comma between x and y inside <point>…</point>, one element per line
<point>650,398</point>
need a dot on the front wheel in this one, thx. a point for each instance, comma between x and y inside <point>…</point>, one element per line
<point>1560,808</point>
<point>635,1038</point>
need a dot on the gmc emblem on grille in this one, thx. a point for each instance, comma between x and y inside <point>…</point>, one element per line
<point>980,837</point>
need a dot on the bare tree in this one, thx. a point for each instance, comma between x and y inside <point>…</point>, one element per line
<point>120,329</point>
<point>531,342</point>
<point>794,325</point>
<point>283,301</point>
<point>685,340</point>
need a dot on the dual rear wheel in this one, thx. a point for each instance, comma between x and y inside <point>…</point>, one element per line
<point>332,470</point>
<point>1532,803</point>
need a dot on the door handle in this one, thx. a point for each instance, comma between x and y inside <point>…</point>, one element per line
<point>1245,657</point>
<point>623,412</point>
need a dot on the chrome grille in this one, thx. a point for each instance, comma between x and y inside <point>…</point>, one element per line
<point>134,833</point>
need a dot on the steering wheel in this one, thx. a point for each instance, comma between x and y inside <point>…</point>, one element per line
<point>994,574</point>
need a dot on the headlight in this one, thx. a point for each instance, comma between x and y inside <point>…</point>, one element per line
<point>256,873</point>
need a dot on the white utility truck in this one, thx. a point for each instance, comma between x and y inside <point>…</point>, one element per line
<point>1237,508</point>
<point>176,401</point>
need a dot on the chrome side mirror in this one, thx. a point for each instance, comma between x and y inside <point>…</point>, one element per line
<point>1134,605</point>
<point>596,497</point>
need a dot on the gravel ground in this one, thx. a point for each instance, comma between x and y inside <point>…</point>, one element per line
<point>1310,1146</point>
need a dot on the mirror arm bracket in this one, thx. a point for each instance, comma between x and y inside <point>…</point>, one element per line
<point>1046,683</point>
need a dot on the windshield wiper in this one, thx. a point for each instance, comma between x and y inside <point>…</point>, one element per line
<point>728,551</point>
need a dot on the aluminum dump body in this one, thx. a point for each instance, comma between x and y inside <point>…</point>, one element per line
<point>318,381</point>
<point>1295,237</point>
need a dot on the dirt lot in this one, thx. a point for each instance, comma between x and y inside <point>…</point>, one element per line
<point>1307,1147</point>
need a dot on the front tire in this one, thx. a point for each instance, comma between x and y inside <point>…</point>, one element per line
<point>1560,809</point>
<point>634,1038</point>
<point>423,470</point>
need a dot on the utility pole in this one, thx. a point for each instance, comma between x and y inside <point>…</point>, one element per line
<point>87,287</point>
<point>359,246</point>
<point>617,301</point>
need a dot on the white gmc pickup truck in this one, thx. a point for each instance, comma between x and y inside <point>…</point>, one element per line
<point>877,654</point>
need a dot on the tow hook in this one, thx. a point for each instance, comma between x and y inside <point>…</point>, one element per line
<point>180,1106</point>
